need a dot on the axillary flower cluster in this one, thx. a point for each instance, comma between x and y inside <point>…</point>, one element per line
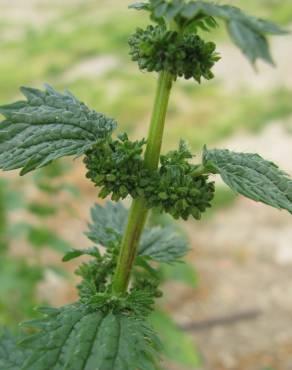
<point>183,55</point>
<point>176,187</point>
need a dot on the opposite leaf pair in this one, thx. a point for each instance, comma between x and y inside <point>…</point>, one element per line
<point>50,125</point>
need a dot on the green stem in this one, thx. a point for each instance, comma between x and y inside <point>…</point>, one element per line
<point>201,170</point>
<point>3,221</point>
<point>138,212</point>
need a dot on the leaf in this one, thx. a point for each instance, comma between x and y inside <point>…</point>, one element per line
<point>253,45</point>
<point>139,6</point>
<point>197,8</point>
<point>11,356</point>
<point>159,244</point>
<point>252,176</point>
<point>248,32</point>
<point>232,13</point>
<point>47,126</point>
<point>162,245</point>
<point>75,338</point>
<point>108,223</point>
<point>177,346</point>
<point>74,253</point>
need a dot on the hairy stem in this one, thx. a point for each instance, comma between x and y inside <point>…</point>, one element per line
<point>138,212</point>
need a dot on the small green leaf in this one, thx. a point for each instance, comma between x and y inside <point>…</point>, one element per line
<point>11,356</point>
<point>252,176</point>
<point>177,346</point>
<point>47,126</point>
<point>76,338</point>
<point>107,223</point>
<point>74,253</point>
<point>160,244</point>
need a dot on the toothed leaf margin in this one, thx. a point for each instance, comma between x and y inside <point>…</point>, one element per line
<point>47,126</point>
<point>76,338</point>
<point>11,355</point>
<point>252,176</point>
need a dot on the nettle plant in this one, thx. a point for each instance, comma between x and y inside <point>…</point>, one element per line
<point>108,327</point>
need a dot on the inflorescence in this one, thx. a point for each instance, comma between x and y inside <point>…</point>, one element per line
<point>177,187</point>
<point>187,55</point>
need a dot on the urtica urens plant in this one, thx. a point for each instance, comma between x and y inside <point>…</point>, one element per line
<point>107,328</point>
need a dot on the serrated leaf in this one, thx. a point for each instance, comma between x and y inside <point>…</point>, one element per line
<point>232,13</point>
<point>47,126</point>
<point>74,338</point>
<point>74,253</point>
<point>253,45</point>
<point>247,32</point>
<point>252,176</point>
<point>160,244</point>
<point>108,223</point>
<point>11,356</point>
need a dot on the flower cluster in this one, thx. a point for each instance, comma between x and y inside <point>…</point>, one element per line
<point>177,187</point>
<point>157,49</point>
<point>116,166</point>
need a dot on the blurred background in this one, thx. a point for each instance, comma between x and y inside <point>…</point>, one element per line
<point>231,305</point>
